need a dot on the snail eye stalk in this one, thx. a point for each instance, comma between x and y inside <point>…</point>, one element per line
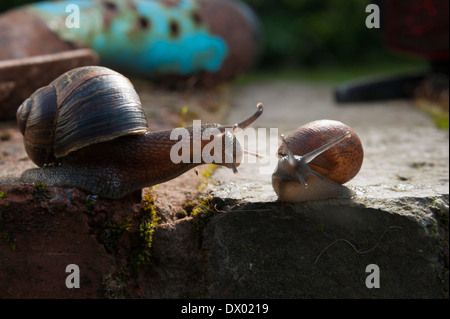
<point>313,154</point>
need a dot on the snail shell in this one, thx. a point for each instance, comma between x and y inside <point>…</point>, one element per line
<point>321,176</point>
<point>69,113</point>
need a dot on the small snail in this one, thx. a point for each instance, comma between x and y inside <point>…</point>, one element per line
<point>315,160</point>
<point>87,129</point>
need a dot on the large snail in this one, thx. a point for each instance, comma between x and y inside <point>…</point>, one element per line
<point>316,160</point>
<point>87,129</point>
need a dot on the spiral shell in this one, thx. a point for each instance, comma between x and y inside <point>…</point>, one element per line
<point>83,106</point>
<point>340,163</point>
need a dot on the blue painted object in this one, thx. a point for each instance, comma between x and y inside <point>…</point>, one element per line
<point>147,37</point>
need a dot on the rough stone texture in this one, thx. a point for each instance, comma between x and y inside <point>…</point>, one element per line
<point>404,154</point>
<point>41,232</point>
<point>178,268</point>
<point>246,244</point>
<point>275,251</point>
<point>265,249</point>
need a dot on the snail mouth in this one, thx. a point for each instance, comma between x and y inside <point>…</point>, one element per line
<point>233,159</point>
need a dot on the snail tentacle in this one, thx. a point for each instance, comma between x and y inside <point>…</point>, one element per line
<point>313,154</point>
<point>245,123</point>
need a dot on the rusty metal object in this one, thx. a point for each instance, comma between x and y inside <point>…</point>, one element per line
<point>171,39</point>
<point>176,43</point>
<point>19,78</point>
<point>31,57</point>
<point>23,34</point>
<point>238,26</point>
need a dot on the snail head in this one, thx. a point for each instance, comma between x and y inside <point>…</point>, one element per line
<point>295,167</point>
<point>233,151</point>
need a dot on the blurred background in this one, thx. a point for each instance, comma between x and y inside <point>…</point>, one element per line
<point>320,37</point>
<point>316,39</point>
<point>328,41</point>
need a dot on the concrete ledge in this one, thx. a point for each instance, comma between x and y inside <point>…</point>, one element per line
<point>261,248</point>
<point>321,249</point>
<point>244,243</point>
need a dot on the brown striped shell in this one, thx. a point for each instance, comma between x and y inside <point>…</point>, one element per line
<point>341,162</point>
<point>83,106</point>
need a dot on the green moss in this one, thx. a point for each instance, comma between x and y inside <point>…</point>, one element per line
<point>3,196</point>
<point>321,228</point>
<point>129,240</point>
<point>114,286</point>
<point>111,232</point>
<point>90,201</point>
<point>148,221</point>
<point>183,116</point>
<point>205,176</point>
<point>40,190</point>
<point>437,112</point>
<point>441,119</point>
<point>202,214</point>
<point>201,208</point>
<point>192,207</point>
<point>442,278</point>
<point>11,240</point>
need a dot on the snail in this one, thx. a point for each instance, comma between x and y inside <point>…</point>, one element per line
<point>316,160</point>
<point>87,129</point>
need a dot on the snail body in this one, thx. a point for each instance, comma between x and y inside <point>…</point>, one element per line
<point>87,129</point>
<point>316,160</point>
